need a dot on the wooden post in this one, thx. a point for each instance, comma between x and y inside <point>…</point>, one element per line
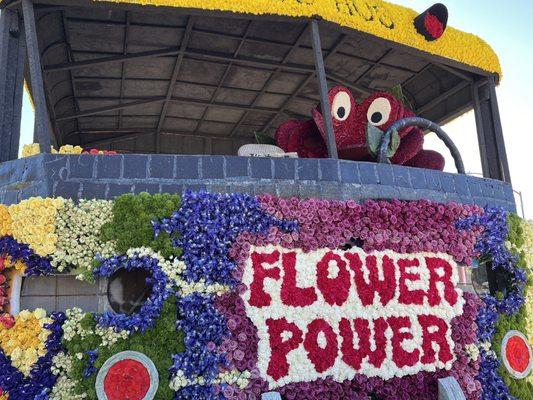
<point>323,87</point>
<point>12,58</point>
<point>490,133</point>
<point>42,127</point>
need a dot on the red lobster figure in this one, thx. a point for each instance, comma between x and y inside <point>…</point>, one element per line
<point>350,123</point>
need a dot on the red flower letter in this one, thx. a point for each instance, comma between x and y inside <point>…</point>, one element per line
<point>449,289</point>
<point>355,356</point>
<point>278,366</point>
<point>335,290</point>
<point>438,336</point>
<point>386,287</point>
<point>409,296</point>
<point>401,357</point>
<point>322,357</point>
<point>258,297</point>
<point>291,294</point>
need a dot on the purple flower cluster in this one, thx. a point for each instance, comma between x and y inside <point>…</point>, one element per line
<point>40,381</point>
<point>241,346</point>
<point>217,231</point>
<point>35,264</point>
<point>401,226</point>
<point>145,318</point>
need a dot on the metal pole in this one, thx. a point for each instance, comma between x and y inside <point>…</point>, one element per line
<point>42,127</point>
<point>519,193</point>
<point>480,133</point>
<point>323,87</point>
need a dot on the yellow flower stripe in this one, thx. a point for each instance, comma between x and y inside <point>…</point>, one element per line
<point>25,341</point>
<point>376,17</point>
<point>33,149</point>
<point>34,223</point>
<point>6,222</point>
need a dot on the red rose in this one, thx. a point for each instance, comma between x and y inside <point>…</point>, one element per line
<point>7,321</point>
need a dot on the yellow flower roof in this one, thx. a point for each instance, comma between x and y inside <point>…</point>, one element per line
<point>376,17</point>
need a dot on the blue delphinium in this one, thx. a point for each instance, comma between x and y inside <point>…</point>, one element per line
<point>35,264</point>
<point>91,369</point>
<point>491,246</point>
<point>151,308</point>
<point>206,227</point>
<point>38,384</point>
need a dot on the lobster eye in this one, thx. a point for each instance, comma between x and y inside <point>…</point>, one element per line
<point>379,111</point>
<point>341,107</point>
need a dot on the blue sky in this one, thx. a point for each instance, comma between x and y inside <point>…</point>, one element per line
<point>507,27</point>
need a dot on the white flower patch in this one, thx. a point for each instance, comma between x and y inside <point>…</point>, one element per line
<point>173,267</point>
<point>310,310</point>
<point>233,377</point>
<point>73,327</point>
<point>473,351</point>
<point>64,389</point>
<point>78,231</point>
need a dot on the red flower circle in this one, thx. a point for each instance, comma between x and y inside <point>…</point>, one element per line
<point>517,354</point>
<point>127,380</point>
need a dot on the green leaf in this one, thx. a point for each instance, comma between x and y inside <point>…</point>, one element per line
<point>397,92</point>
<point>394,144</point>
<point>262,138</point>
<point>373,139</point>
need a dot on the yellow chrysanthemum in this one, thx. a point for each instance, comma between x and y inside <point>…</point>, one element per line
<point>376,17</point>
<point>5,221</point>
<point>30,150</point>
<point>34,148</point>
<point>34,223</point>
<point>18,266</point>
<point>25,341</point>
<point>69,149</point>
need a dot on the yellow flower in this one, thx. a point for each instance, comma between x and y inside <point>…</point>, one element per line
<point>19,266</point>
<point>34,223</point>
<point>5,221</point>
<point>69,149</point>
<point>25,342</point>
<point>30,150</point>
<point>376,17</point>
<point>33,149</point>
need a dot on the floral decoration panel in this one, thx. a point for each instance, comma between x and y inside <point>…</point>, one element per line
<point>310,298</point>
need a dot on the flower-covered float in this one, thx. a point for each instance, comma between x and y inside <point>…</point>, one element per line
<point>310,298</point>
<point>342,274</point>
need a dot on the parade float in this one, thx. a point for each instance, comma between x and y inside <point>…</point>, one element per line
<point>142,258</point>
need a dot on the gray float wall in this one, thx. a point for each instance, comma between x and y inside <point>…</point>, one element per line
<point>105,177</point>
